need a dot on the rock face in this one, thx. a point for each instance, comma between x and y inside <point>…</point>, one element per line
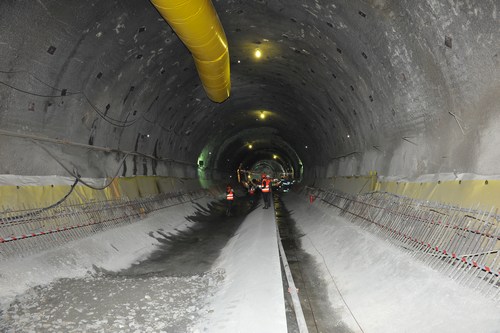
<point>342,87</point>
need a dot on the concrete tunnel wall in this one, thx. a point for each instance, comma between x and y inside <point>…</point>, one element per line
<point>401,87</point>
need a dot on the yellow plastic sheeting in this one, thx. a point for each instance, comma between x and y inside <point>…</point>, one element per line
<point>147,186</point>
<point>355,184</point>
<point>143,186</point>
<point>128,188</point>
<point>86,194</point>
<point>465,193</point>
<point>165,184</point>
<point>26,197</point>
<point>31,197</point>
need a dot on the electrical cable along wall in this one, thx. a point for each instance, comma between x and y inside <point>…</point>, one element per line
<point>461,243</point>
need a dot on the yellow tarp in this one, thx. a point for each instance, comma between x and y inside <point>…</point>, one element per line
<point>479,193</point>
<point>26,197</point>
<point>465,193</point>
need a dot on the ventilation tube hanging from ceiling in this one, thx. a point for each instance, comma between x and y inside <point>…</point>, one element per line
<point>198,26</point>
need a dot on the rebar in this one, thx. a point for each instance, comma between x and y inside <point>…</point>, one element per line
<point>29,230</point>
<point>461,243</point>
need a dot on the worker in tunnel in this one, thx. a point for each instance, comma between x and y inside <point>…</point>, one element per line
<point>266,190</point>
<point>229,199</point>
<point>251,190</point>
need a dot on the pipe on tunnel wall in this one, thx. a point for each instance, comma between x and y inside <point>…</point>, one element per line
<point>198,26</point>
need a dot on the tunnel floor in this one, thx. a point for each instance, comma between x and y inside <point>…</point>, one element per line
<point>221,273</point>
<point>319,314</point>
<point>134,300</point>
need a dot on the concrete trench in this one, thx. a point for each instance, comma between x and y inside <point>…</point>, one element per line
<point>319,313</point>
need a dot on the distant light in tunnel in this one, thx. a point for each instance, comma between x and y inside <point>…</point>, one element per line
<point>306,147</point>
<point>262,115</point>
<point>250,146</point>
<point>258,53</point>
<point>275,156</point>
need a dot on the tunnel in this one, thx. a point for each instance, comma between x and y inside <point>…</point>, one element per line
<point>122,123</point>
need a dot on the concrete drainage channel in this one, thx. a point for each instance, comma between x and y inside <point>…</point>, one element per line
<point>310,288</point>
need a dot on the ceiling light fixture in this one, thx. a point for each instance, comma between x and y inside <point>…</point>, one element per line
<point>258,53</point>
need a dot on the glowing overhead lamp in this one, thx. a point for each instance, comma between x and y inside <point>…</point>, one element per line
<point>262,115</point>
<point>258,53</point>
<point>275,156</point>
<point>250,146</point>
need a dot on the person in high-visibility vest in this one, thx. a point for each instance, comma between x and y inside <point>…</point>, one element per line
<point>266,190</point>
<point>229,199</point>
<point>251,191</point>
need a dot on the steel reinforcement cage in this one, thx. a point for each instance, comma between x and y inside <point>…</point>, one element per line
<point>30,231</point>
<point>463,244</point>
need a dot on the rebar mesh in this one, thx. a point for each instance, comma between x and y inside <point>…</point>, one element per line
<point>30,231</point>
<point>462,243</point>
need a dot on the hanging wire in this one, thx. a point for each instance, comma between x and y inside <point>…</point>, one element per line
<point>75,173</point>
<point>40,80</point>
<point>110,120</point>
<point>41,210</point>
<point>28,92</point>
<point>114,122</point>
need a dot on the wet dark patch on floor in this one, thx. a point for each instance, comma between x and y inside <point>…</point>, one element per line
<point>318,312</point>
<point>193,251</point>
<point>166,292</point>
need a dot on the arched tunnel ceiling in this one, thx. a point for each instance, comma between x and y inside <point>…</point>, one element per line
<point>400,86</point>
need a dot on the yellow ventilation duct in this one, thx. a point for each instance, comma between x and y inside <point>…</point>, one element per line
<point>198,26</point>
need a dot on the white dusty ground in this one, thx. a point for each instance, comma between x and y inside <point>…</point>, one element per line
<point>251,298</point>
<point>385,289</point>
<point>60,291</point>
<point>112,250</point>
